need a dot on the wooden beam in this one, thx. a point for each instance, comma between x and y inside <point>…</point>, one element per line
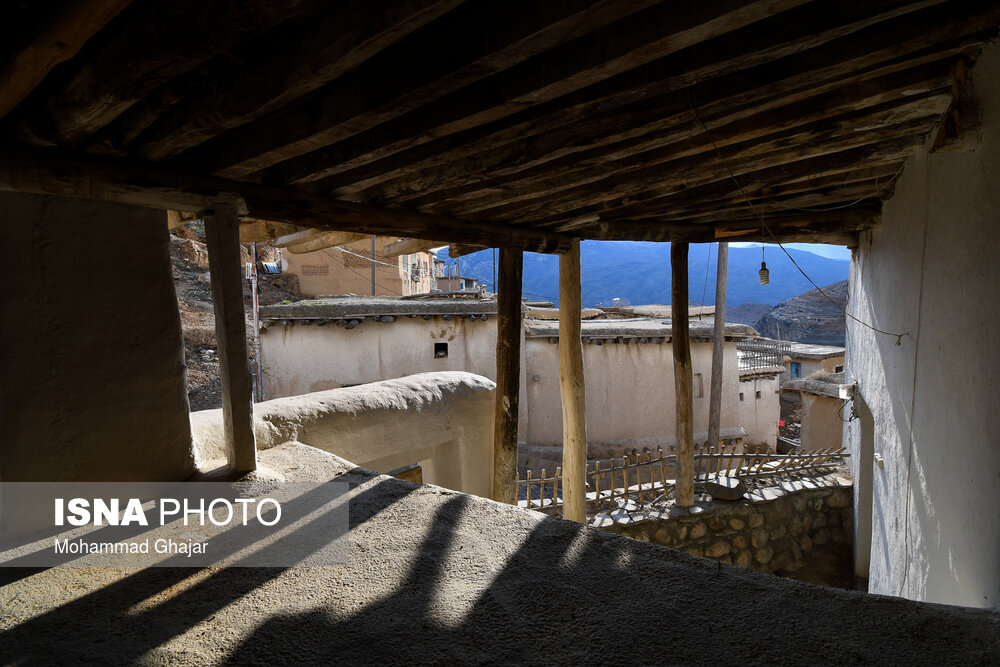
<point>43,171</point>
<point>731,78</point>
<point>610,48</point>
<point>226,267</point>
<point>352,34</point>
<point>718,342</point>
<point>159,43</point>
<point>681,342</point>
<point>456,250</point>
<point>254,229</point>
<point>61,39</point>
<point>508,376</point>
<point>571,387</point>
<point>311,240</point>
<point>409,246</point>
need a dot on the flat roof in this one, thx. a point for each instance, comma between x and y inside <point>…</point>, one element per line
<point>634,328</point>
<point>350,306</point>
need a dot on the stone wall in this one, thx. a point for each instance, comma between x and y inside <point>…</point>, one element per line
<point>799,529</point>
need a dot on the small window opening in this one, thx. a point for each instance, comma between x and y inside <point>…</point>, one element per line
<point>838,369</point>
<point>741,395</point>
<point>440,350</point>
<point>758,395</point>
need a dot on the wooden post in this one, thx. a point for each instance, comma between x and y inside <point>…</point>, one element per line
<point>222,233</point>
<point>571,386</point>
<point>718,340</point>
<point>508,376</point>
<point>682,373</point>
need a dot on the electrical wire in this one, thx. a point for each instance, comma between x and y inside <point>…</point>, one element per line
<point>764,227</point>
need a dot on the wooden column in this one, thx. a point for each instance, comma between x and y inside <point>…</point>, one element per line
<point>682,373</point>
<point>222,233</point>
<point>718,340</point>
<point>508,376</point>
<point>571,386</point>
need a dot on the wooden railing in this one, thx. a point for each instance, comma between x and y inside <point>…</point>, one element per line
<point>648,478</point>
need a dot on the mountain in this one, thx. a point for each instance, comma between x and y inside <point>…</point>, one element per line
<point>639,273</point>
<point>746,313</point>
<point>809,317</point>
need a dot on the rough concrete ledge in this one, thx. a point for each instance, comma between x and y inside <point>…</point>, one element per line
<point>633,328</point>
<point>353,307</point>
<point>443,578</point>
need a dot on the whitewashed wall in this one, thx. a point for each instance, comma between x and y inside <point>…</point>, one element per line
<point>931,406</point>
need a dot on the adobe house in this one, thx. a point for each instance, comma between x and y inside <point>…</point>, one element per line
<point>347,267</point>
<point>805,359</point>
<point>822,410</point>
<point>521,126</point>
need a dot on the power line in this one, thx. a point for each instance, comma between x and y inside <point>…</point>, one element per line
<point>764,227</point>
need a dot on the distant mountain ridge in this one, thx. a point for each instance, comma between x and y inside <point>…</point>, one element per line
<point>639,273</point>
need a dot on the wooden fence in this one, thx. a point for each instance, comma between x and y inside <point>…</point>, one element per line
<point>648,478</point>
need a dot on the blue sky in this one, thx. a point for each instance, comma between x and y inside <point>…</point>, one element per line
<point>823,250</point>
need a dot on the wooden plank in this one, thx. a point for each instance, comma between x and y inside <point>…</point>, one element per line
<point>254,229</point>
<point>160,43</point>
<point>456,250</point>
<point>718,342</point>
<point>727,83</point>
<point>43,171</point>
<point>409,246</point>
<point>226,267</point>
<point>311,240</point>
<point>60,40</point>
<point>508,376</point>
<point>409,75</point>
<point>350,35</point>
<point>879,103</point>
<point>621,45</point>
<point>571,385</point>
<point>681,343</point>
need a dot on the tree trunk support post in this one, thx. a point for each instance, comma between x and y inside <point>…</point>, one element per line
<point>682,373</point>
<point>571,385</point>
<point>718,342</point>
<point>222,233</point>
<point>508,376</point>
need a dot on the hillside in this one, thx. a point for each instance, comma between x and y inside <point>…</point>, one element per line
<point>746,313</point>
<point>808,317</point>
<point>640,273</point>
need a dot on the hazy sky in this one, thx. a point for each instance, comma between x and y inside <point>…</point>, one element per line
<point>832,251</point>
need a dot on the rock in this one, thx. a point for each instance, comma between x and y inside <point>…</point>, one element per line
<point>806,543</point>
<point>821,536</point>
<point>744,559</point>
<point>740,542</point>
<point>726,488</point>
<point>756,520</point>
<point>718,549</point>
<point>737,524</point>
<point>777,531</point>
<point>764,554</point>
<point>698,530</point>
<point>842,499</point>
<point>759,537</point>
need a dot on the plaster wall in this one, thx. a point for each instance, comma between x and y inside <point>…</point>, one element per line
<point>443,421</point>
<point>759,416</point>
<point>822,426</point>
<point>629,392</point>
<point>299,359</point>
<point>92,371</point>
<point>930,270</point>
<point>333,271</point>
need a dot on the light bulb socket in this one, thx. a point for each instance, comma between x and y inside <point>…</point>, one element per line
<point>765,275</point>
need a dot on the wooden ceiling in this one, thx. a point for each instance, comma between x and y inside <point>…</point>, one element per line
<point>484,122</point>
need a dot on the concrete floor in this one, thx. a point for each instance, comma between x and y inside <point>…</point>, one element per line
<point>437,577</point>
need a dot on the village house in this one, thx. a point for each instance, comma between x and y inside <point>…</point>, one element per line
<point>522,127</point>
<point>348,268</point>
<point>821,399</point>
<point>805,359</point>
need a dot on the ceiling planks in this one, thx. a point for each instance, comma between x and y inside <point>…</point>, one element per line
<point>494,122</point>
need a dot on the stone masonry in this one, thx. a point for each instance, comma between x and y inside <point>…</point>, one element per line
<point>799,529</point>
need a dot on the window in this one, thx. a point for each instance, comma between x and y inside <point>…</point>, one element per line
<point>440,350</point>
<point>741,395</point>
<point>795,369</point>
<point>838,369</point>
<point>757,396</point>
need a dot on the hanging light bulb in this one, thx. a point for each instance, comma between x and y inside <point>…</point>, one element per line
<point>765,275</point>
